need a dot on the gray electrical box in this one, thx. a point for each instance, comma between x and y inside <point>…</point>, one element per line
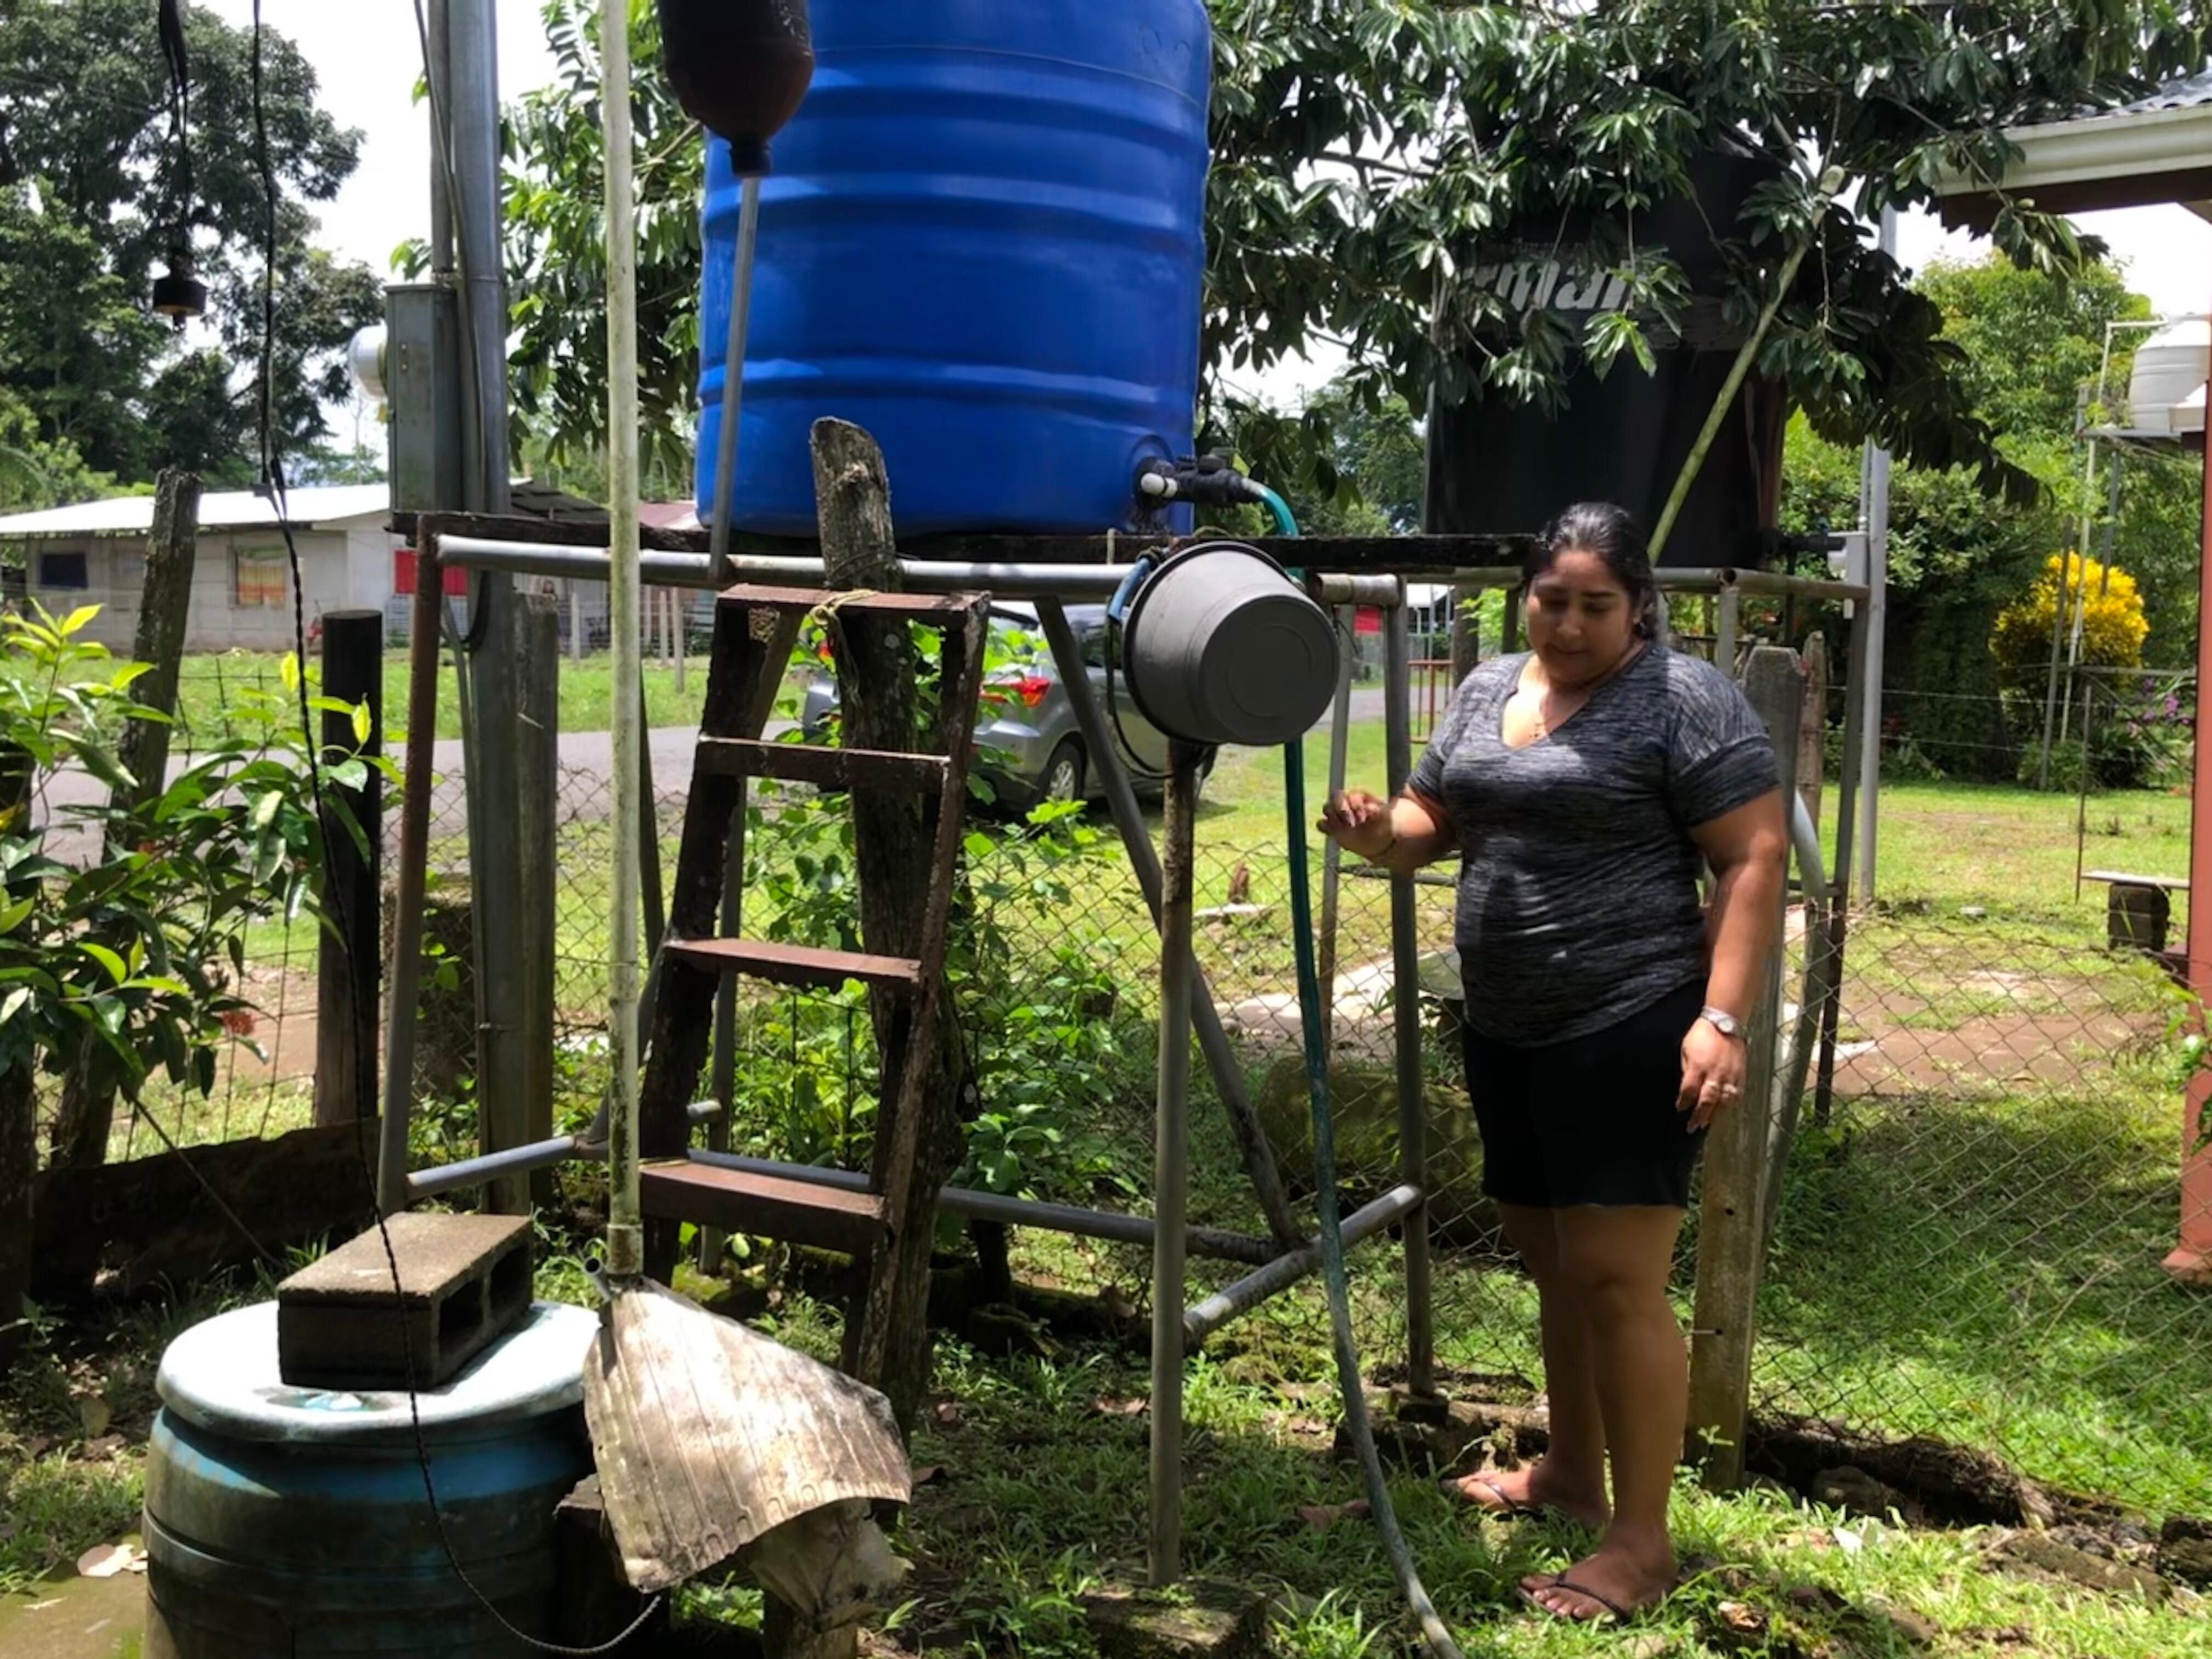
<point>422,322</point>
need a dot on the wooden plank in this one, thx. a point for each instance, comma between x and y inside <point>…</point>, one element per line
<point>1731,1217</point>
<point>824,768</point>
<point>940,607</point>
<point>153,1220</point>
<point>796,964</point>
<point>2169,883</point>
<point>766,1206</point>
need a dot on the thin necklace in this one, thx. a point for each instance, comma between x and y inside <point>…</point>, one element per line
<point>1543,700</point>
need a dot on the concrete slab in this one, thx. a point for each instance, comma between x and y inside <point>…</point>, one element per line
<point>76,1619</point>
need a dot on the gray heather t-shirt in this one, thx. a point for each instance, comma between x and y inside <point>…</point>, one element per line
<point>1579,903</point>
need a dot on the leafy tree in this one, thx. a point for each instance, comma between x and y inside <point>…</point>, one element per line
<point>35,472</point>
<point>92,207</point>
<point>1356,459</point>
<point>1367,151</point>
<point>2030,347</point>
<point>556,253</point>
<point>1365,154</point>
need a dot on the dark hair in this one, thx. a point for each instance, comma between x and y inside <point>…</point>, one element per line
<point>1611,534</point>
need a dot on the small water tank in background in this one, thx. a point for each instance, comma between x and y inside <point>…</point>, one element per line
<point>983,241</point>
<point>286,1522</point>
<point>2166,391</point>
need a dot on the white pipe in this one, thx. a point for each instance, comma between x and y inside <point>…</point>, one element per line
<point>1877,623</point>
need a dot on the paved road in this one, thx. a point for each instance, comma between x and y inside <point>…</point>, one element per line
<point>587,780</point>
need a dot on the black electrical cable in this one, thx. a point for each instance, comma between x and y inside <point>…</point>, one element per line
<point>171,24</point>
<point>273,486</point>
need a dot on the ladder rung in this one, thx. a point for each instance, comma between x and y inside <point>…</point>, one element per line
<point>769,1206</point>
<point>942,606</point>
<point>825,768</point>
<point>794,964</point>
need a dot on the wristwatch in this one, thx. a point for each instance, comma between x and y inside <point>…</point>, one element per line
<point>1724,1022</point>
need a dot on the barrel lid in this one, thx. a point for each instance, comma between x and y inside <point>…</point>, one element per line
<point>221,1375</point>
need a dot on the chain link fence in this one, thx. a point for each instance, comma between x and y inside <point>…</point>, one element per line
<point>1971,1227</point>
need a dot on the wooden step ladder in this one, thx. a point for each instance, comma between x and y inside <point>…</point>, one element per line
<point>755,628</point>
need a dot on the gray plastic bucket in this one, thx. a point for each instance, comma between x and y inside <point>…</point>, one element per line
<point>1221,647</point>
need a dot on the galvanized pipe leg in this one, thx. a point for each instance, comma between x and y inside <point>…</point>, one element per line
<point>1171,1166</point>
<point>1405,973</point>
<point>1129,819</point>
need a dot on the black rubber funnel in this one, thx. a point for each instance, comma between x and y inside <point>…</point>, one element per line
<point>739,67</point>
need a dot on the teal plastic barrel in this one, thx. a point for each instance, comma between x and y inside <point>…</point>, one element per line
<point>291,1523</point>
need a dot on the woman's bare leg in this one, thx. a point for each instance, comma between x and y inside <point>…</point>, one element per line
<point>1571,1476</point>
<point>1616,1261</point>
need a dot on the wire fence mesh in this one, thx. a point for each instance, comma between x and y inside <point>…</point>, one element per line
<point>1972,1225</point>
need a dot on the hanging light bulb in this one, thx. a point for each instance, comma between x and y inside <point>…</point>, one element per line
<point>178,294</point>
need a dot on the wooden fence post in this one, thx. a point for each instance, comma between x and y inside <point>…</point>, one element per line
<point>88,1103</point>
<point>891,847</point>
<point>1731,1217</point>
<point>19,1125</point>
<point>524,1114</point>
<point>19,1176</point>
<point>538,785</point>
<point>348,965</point>
<point>1812,725</point>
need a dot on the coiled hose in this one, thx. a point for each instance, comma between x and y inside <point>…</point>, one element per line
<point>1332,1233</point>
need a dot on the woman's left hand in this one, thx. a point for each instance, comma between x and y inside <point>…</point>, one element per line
<point>1712,1074</point>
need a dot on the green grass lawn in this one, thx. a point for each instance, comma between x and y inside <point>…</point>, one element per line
<point>1037,1498</point>
<point>209,682</point>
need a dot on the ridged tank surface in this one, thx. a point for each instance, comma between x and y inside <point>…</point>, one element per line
<point>287,1523</point>
<point>984,242</point>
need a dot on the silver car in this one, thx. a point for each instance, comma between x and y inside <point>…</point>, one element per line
<point>1027,743</point>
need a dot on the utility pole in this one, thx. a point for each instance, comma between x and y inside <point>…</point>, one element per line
<point>465,240</point>
<point>1874,518</point>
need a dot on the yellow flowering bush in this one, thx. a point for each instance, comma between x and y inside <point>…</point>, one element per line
<point>2112,630</point>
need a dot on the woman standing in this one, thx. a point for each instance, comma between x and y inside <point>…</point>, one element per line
<point>1584,784</point>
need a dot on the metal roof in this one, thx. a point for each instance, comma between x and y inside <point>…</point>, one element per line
<point>221,509</point>
<point>2190,92</point>
<point>324,504</point>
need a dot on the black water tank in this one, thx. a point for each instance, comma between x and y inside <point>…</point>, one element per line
<point>1498,467</point>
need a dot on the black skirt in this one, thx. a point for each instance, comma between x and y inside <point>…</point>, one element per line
<point>1592,1120</point>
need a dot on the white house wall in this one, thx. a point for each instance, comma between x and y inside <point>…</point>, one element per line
<point>343,569</point>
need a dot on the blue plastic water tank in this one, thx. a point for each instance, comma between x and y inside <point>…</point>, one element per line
<point>284,1522</point>
<point>984,242</point>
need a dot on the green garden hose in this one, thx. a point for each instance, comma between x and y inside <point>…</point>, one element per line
<point>1332,1236</point>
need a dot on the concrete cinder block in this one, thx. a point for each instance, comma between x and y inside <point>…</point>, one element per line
<point>343,1323</point>
<point>1203,1618</point>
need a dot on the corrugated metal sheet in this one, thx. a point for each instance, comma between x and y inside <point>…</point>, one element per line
<point>2191,92</point>
<point>233,509</point>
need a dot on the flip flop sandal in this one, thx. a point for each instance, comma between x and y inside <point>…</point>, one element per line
<point>1613,1613</point>
<point>1455,1487</point>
